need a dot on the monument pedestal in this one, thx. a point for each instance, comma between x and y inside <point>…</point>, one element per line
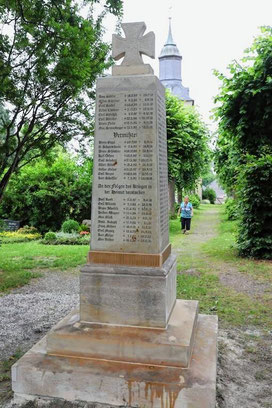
<point>40,376</point>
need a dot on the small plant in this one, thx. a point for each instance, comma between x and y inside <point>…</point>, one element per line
<point>84,233</point>
<point>70,226</point>
<point>50,236</point>
<point>27,230</point>
<point>84,228</point>
<point>209,194</point>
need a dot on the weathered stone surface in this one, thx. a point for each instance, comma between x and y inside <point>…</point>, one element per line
<point>122,384</point>
<point>132,70</point>
<point>123,295</point>
<point>168,347</point>
<point>130,183</point>
<point>134,45</point>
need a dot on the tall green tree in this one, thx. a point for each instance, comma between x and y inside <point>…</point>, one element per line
<point>50,56</point>
<point>49,190</point>
<point>188,150</point>
<point>244,147</point>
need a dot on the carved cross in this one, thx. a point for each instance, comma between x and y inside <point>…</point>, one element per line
<point>134,45</point>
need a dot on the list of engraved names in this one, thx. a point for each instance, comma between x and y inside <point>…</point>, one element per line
<point>125,166</point>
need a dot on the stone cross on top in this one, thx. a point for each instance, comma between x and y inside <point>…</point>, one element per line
<point>131,48</point>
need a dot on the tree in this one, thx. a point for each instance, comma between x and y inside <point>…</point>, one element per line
<point>187,141</point>
<point>50,57</point>
<point>244,147</point>
<point>48,191</point>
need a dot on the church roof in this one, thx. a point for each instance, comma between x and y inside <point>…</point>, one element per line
<point>170,48</point>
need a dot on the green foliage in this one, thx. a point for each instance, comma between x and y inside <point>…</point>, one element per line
<point>12,237</point>
<point>48,191</point>
<point>50,236</point>
<point>79,240</point>
<point>208,177</point>
<point>195,200</point>
<point>255,192</point>
<point>84,228</point>
<point>231,208</point>
<point>2,225</point>
<point>187,141</point>
<point>49,61</point>
<point>244,146</point>
<point>27,230</point>
<point>209,194</point>
<point>70,226</point>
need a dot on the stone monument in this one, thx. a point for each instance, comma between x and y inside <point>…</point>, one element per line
<point>131,343</point>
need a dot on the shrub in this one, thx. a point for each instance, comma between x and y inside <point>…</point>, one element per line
<point>255,192</point>
<point>2,225</point>
<point>70,226</point>
<point>205,201</point>
<point>80,240</point>
<point>27,230</point>
<point>12,237</point>
<point>209,194</point>
<point>84,228</point>
<point>50,236</point>
<point>231,209</point>
<point>195,200</point>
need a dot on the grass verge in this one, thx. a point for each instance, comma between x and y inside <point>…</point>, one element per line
<point>22,261</point>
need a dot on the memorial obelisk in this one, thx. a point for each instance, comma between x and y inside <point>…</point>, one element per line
<point>131,343</point>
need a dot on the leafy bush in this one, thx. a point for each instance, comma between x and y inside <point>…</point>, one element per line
<point>255,192</point>
<point>79,240</point>
<point>2,225</point>
<point>70,226</point>
<point>205,201</point>
<point>27,230</point>
<point>47,192</point>
<point>195,200</point>
<point>209,194</point>
<point>84,228</point>
<point>231,209</point>
<point>12,237</point>
<point>50,236</point>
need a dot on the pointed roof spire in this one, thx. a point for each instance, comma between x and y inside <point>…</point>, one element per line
<point>170,40</point>
<point>170,48</point>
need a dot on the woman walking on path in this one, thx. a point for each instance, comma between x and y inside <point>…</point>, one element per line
<point>186,212</point>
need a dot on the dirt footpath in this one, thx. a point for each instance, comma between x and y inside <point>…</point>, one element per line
<point>244,354</point>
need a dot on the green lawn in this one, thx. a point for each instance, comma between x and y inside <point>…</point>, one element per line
<point>201,261</point>
<point>23,261</point>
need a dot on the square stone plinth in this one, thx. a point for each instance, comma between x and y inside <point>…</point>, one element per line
<point>167,347</point>
<point>39,375</point>
<point>128,295</point>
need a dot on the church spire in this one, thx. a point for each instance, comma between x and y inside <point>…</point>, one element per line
<point>170,68</point>
<point>170,40</point>
<point>170,48</point>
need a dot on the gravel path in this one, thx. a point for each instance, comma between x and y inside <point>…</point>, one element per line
<point>29,312</point>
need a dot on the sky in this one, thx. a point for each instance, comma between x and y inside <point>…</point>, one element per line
<point>209,34</point>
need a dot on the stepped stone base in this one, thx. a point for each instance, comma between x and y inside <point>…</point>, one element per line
<point>38,375</point>
<point>166,347</point>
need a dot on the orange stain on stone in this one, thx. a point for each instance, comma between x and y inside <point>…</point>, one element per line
<point>166,393</point>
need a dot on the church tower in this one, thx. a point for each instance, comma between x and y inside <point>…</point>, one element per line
<point>170,69</point>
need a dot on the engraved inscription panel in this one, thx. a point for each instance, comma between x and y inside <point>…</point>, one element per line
<point>127,195</point>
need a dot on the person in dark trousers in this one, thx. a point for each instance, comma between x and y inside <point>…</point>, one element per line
<point>186,213</point>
